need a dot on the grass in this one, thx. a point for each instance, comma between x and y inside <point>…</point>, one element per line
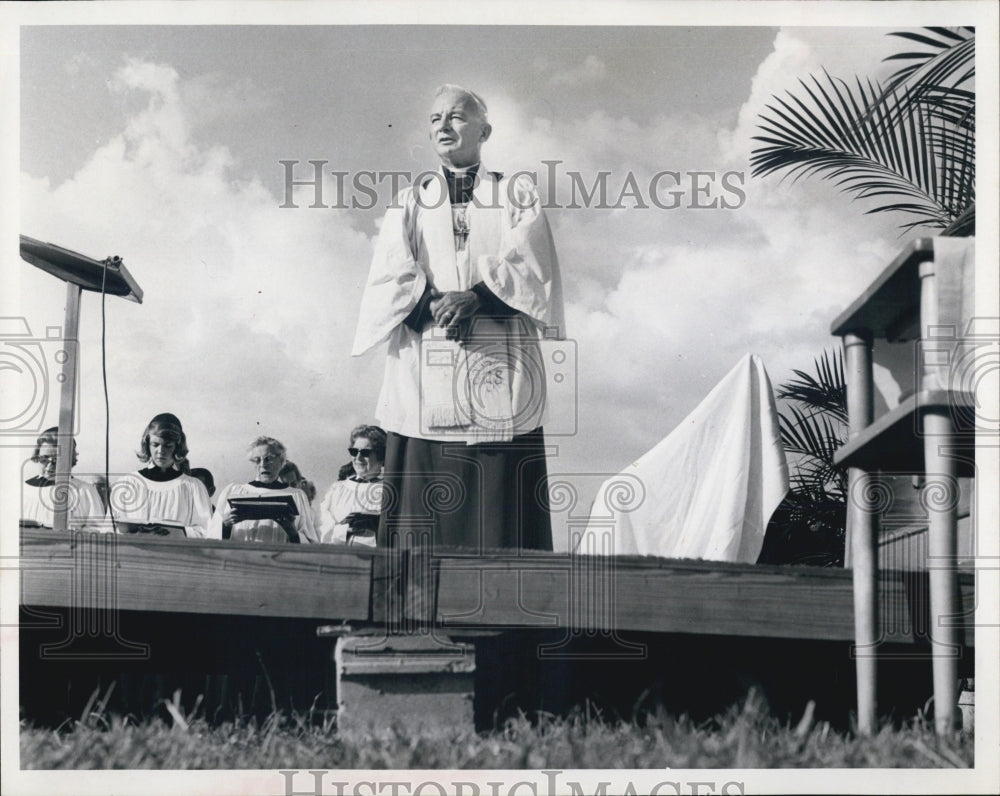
<point>744,737</point>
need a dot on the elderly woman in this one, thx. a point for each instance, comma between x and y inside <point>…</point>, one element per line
<point>350,511</point>
<point>38,495</point>
<point>162,496</point>
<point>251,520</point>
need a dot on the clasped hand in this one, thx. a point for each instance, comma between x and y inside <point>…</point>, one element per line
<point>451,308</point>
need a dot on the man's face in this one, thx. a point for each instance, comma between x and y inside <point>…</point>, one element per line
<point>457,130</point>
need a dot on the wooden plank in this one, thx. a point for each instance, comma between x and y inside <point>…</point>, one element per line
<point>462,593</point>
<point>885,308</point>
<point>69,395</point>
<point>195,575</point>
<point>895,441</point>
<point>666,596</point>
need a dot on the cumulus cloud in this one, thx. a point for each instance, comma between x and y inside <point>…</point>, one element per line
<point>248,309</point>
<point>662,303</point>
<point>592,70</point>
<point>798,53</point>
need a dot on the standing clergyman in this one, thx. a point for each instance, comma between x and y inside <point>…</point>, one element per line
<point>464,283</point>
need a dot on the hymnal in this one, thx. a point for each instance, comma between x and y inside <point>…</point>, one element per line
<point>266,507</point>
<point>168,529</point>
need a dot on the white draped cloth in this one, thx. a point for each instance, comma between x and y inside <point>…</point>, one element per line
<point>708,489</point>
<point>86,510</point>
<point>490,386</point>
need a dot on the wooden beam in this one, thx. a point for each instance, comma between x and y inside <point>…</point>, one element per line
<point>68,394</point>
<point>670,596</point>
<point>197,576</point>
<point>466,594</point>
<point>884,310</point>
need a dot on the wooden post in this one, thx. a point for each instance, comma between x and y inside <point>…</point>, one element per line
<point>67,408</point>
<point>861,544</point>
<point>940,493</point>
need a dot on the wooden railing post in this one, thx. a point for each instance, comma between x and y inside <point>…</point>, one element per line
<point>67,408</point>
<point>940,498</point>
<point>861,543</point>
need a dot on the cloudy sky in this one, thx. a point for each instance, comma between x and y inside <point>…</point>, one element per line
<point>163,144</point>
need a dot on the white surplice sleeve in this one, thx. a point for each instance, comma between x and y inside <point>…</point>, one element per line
<point>326,521</point>
<point>215,523</point>
<point>201,510</point>
<point>526,275</point>
<point>395,282</point>
<point>89,513</point>
<point>304,522</point>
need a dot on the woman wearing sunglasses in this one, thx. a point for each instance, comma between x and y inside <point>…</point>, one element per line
<point>350,511</point>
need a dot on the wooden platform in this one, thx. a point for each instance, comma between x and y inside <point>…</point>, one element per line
<point>465,594</point>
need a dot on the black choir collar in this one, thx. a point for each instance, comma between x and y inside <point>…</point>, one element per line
<point>277,483</point>
<point>461,184</point>
<point>40,480</point>
<point>156,474</point>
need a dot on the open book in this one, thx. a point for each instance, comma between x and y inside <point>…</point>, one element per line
<point>153,528</point>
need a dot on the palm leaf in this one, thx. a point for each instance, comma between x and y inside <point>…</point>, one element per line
<point>869,150</point>
<point>948,60</point>
<point>826,391</point>
<point>813,425</point>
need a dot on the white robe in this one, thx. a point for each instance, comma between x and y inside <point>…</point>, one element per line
<point>86,510</point>
<point>499,371</point>
<point>263,530</point>
<point>344,498</point>
<point>180,501</point>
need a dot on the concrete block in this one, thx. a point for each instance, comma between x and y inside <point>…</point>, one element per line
<point>413,682</point>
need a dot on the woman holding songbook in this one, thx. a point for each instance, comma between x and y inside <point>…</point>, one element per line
<point>85,509</point>
<point>350,511</point>
<point>162,498</point>
<point>264,509</point>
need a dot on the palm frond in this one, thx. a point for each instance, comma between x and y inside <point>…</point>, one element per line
<point>813,434</point>
<point>947,60</point>
<point>876,143</point>
<point>825,391</point>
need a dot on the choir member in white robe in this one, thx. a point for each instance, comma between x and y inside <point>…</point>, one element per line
<point>162,494</point>
<point>349,513</point>
<point>38,494</point>
<point>267,455</point>
<point>464,282</point>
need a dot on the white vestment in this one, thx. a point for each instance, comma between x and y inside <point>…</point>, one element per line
<point>263,530</point>
<point>345,498</point>
<point>86,510</point>
<point>490,386</point>
<point>180,501</point>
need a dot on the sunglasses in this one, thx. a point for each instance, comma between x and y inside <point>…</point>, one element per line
<point>45,459</point>
<point>364,453</point>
